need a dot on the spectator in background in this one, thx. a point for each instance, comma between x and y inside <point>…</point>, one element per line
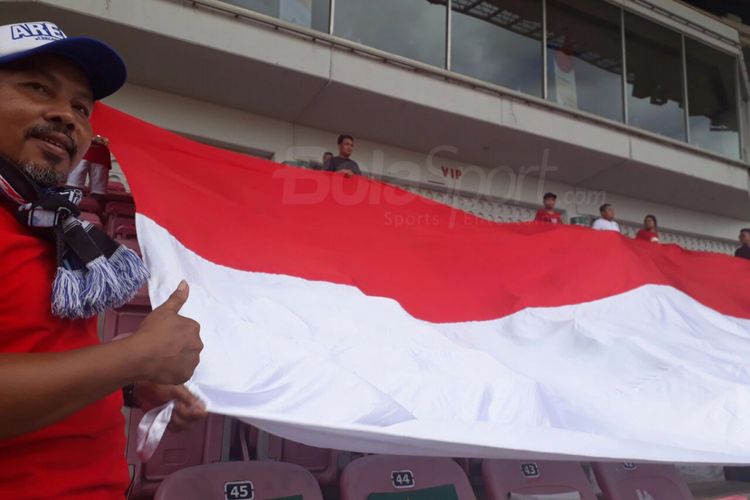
<point>343,162</point>
<point>648,232</point>
<point>548,215</point>
<point>744,250</point>
<point>97,163</point>
<point>607,220</point>
<point>327,156</point>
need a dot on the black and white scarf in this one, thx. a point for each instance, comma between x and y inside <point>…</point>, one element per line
<point>94,272</point>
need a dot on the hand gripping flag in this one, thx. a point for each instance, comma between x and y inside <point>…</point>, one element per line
<point>327,323</point>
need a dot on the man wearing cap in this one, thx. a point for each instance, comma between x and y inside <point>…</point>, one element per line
<point>548,215</point>
<point>61,426</point>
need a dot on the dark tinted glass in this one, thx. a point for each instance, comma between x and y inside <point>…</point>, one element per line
<point>584,56</point>
<point>308,13</point>
<point>410,28</point>
<point>712,99</point>
<point>654,77</point>
<point>499,41</point>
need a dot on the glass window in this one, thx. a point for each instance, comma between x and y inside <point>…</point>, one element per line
<point>410,28</point>
<point>712,99</point>
<point>584,56</point>
<point>654,77</point>
<point>499,41</point>
<point>308,13</point>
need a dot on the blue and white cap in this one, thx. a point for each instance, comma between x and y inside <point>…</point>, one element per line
<point>103,66</point>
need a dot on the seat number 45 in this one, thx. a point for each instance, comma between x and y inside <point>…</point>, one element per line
<point>238,490</point>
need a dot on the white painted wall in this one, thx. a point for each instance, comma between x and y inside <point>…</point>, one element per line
<point>292,142</point>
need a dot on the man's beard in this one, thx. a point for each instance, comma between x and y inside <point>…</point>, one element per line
<point>48,176</point>
<point>44,176</point>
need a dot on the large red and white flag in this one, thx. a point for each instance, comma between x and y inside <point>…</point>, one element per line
<point>326,322</point>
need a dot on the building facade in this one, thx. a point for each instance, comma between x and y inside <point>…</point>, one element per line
<point>484,105</point>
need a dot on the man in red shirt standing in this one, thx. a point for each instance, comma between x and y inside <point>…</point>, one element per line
<point>548,215</point>
<point>96,163</point>
<point>61,426</point>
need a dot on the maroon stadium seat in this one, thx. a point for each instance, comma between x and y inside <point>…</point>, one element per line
<point>200,445</point>
<point>119,208</point>
<point>118,196</point>
<point>131,243</point>
<point>119,222</point>
<point>118,322</point>
<point>89,204</point>
<point>397,477</point>
<point>240,480</point>
<point>141,299</point>
<point>322,463</point>
<point>503,477</point>
<point>125,232</point>
<point>115,186</point>
<point>626,481</point>
<point>92,218</point>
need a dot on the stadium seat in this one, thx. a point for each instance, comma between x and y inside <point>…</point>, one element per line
<point>125,232</point>
<point>201,444</point>
<point>119,208</point>
<point>116,222</point>
<point>240,480</point>
<point>92,218</point>
<point>385,477</point>
<point>131,243</point>
<point>115,186</point>
<point>118,322</point>
<point>502,478</point>
<point>115,196</point>
<point>628,481</point>
<point>141,299</point>
<point>89,204</point>
<point>322,463</point>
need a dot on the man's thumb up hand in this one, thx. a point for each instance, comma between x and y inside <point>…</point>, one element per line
<point>169,343</point>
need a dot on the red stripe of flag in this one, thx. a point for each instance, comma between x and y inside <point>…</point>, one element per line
<point>441,264</point>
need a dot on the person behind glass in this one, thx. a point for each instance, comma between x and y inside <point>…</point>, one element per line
<point>548,215</point>
<point>343,162</point>
<point>607,220</point>
<point>648,232</point>
<point>744,250</point>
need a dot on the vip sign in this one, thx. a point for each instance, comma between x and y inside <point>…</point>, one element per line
<point>453,173</point>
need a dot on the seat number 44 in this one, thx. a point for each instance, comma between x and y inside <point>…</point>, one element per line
<point>402,479</point>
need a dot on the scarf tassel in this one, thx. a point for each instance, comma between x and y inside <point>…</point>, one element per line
<point>66,293</point>
<point>131,271</point>
<point>101,287</point>
<point>107,283</point>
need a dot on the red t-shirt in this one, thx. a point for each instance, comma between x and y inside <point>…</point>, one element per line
<point>646,234</point>
<point>83,456</point>
<point>548,218</point>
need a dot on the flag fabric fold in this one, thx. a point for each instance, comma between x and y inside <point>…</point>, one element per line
<point>350,314</point>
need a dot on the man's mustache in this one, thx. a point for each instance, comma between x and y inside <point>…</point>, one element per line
<point>46,131</point>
